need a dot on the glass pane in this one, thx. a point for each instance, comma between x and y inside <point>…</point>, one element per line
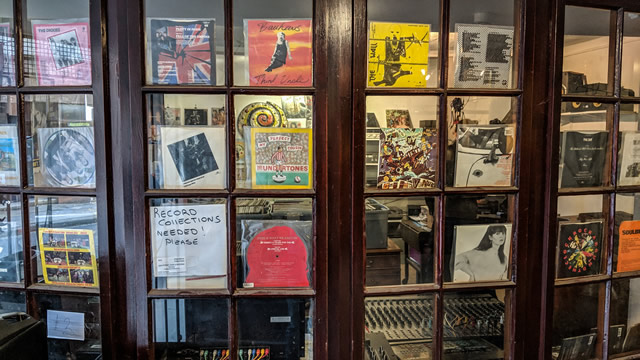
<point>585,156</point>
<point>585,62</point>
<point>64,236</point>
<point>81,318</point>
<point>188,243</point>
<point>626,245</point>
<point>275,241</point>
<point>400,238</point>
<point>7,45</point>
<point>630,78</point>
<point>11,247</point>
<point>274,142</point>
<point>57,46</point>
<point>400,327</point>
<point>481,143</point>
<point>475,324</point>
<point>403,44</point>
<point>581,235</point>
<point>185,42</point>
<point>481,44</point>
<point>628,146</point>
<point>60,140</point>
<point>9,142</point>
<point>478,237</point>
<point>186,136</point>
<point>12,301</point>
<point>624,316</point>
<point>401,142</point>
<point>282,328</point>
<point>575,321</point>
<point>191,328</point>
<point>273,43</point>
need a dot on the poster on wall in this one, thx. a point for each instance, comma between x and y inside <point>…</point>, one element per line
<point>68,257</point>
<point>180,51</point>
<point>483,56</point>
<point>62,52</point>
<point>9,156</point>
<point>407,159</point>
<point>398,54</point>
<point>579,249</point>
<point>629,246</point>
<point>629,159</point>
<point>279,52</point>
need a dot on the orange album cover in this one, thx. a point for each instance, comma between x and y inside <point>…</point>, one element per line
<point>279,52</point>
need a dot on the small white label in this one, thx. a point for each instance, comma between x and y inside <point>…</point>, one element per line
<point>590,340</point>
<point>247,285</point>
<point>281,319</point>
<point>65,325</point>
<point>171,264</point>
<point>4,270</point>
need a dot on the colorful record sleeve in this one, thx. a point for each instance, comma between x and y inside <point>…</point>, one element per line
<point>68,257</point>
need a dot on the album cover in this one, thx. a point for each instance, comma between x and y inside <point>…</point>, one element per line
<point>181,51</point>
<point>218,116</point>
<point>9,156</point>
<point>297,107</point>
<point>628,246</point>
<point>398,54</point>
<point>67,157</point>
<point>280,158</point>
<point>629,160</point>
<point>579,249</point>
<point>407,158</point>
<point>276,253</point>
<point>482,252</point>
<point>195,117</point>
<point>172,117</point>
<point>193,157</point>
<point>484,155</point>
<point>68,257</point>
<point>261,114</point>
<point>7,56</point>
<point>399,119</point>
<point>483,56</point>
<point>578,347</point>
<point>279,52</point>
<point>582,158</point>
<point>62,52</point>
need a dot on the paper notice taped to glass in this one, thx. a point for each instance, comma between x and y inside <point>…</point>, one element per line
<point>65,325</point>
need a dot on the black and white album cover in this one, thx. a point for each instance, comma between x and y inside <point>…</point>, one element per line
<point>193,157</point>
<point>195,117</point>
<point>583,155</point>
<point>482,252</point>
<point>629,159</point>
<point>65,49</point>
<point>67,157</point>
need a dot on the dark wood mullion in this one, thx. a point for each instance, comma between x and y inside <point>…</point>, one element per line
<point>400,289</point>
<point>629,5</point>
<point>231,145</point>
<point>51,191</point>
<point>47,90</point>
<point>18,11</point>
<point>581,280</point>
<point>186,193</point>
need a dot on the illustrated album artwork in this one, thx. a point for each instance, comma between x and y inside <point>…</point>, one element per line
<point>483,56</point>
<point>484,155</point>
<point>67,156</point>
<point>482,252</point>
<point>579,249</point>
<point>193,157</point>
<point>582,158</point>
<point>62,52</point>
<point>399,119</point>
<point>407,158</point>
<point>629,159</point>
<point>68,257</point>
<point>279,52</point>
<point>181,51</point>
<point>276,253</point>
<point>398,54</point>
<point>9,155</point>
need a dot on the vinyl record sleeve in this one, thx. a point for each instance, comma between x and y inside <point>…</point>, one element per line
<point>193,157</point>
<point>476,258</point>
<point>279,52</point>
<point>629,159</point>
<point>9,156</point>
<point>7,56</point>
<point>62,52</point>
<point>582,158</point>
<point>277,253</point>
<point>68,257</point>
<point>579,249</point>
<point>407,158</point>
<point>398,54</point>
<point>67,157</point>
<point>484,155</point>
<point>180,51</point>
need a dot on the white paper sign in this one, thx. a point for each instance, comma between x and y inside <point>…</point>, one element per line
<point>65,325</point>
<point>189,240</point>
<point>630,159</point>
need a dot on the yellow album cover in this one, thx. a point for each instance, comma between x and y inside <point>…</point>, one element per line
<point>398,54</point>
<point>68,257</point>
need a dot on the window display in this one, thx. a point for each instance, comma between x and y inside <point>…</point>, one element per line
<point>11,249</point>
<point>481,257</point>
<point>575,322</point>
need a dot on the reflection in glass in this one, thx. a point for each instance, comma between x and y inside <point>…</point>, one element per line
<point>400,235</point>
<point>7,43</point>
<point>11,250</point>
<point>9,142</point>
<point>624,318</point>
<point>186,137</point>
<point>64,237</point>
<point>275,242</point>
<point>575,321</point>
<point>89,307</point>
<point>400,326</point>
<point>57,49</point>
<point>626,243</point>
<point>585,62</point>
<point>478,237</point>
<point>176,59</point>
<point>282,327</point>
<point>628,142</point>
<point>12,301</point>
<point>274,142</point>
<point>630,78</point>
<point>191,328</point>
<point>474,324</point>
<point>481,141</point>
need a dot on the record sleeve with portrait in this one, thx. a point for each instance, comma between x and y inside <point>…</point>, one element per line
<point>195,117</point>
<point>67,157</point>
<point>193,157</point>
<point>482,252</point>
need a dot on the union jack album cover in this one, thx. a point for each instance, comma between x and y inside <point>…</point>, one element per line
<point>180,51</point>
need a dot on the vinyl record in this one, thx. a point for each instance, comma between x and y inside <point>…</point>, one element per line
<point>69,158</point>
<point>261,114</point>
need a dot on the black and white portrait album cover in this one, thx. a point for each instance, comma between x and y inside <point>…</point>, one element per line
<point>193,157</point>
<point>195,117</point>
<point>482,252</point>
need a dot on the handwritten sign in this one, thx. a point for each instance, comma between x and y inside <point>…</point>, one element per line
<point>629,246</point>
<point>65,325</point>
<point>189,240</point>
